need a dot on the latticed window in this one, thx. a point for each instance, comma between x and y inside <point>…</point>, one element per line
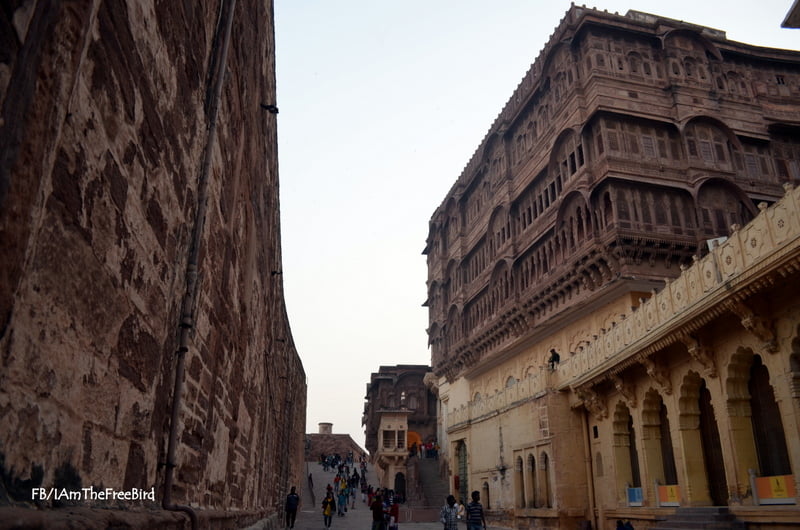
<point>388,439</point>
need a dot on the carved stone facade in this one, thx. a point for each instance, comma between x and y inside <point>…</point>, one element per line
<point>592,221</point>
<point>109,109</point>
<point>396,387</point>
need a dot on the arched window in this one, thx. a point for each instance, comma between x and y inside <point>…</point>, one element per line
<point>773,456</point>
<point>531,489</point>
<point>519,484</point>
<point>463,471</point>
<point>544,480</point>
<point>485,496</point>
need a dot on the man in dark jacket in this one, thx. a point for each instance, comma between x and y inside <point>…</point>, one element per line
<point>292,502</point>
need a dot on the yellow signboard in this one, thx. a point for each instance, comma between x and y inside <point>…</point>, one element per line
<point>779,489</point>
<point>669,495</point>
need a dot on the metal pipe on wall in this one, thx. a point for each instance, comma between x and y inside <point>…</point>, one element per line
<point>189,300</point>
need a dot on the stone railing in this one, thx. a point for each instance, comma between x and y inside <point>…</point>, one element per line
<point>527,388</point>
<point>773,233</point>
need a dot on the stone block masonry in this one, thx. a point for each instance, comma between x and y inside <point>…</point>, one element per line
<point>105,110</point>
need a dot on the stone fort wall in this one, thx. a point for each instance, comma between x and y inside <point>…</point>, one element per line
<point>106,108</point>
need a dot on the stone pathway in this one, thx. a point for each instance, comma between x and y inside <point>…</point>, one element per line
<point>309,516</point>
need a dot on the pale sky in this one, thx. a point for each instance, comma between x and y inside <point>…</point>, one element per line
<point>382,104</point>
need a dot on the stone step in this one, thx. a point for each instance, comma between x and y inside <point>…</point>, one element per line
<point>701,518</point>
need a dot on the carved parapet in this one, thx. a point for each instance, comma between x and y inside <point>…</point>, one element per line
<point>626,389</point>
<point>701,354</point>
<point>592,402</point>
<point>763,329</point>
<point>658,374</point>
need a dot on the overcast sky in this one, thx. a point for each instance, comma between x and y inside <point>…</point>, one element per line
<point>382,103</point>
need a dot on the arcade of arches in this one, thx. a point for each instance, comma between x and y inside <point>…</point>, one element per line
<point>690,399</point>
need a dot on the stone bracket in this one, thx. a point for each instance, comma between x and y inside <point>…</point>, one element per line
<point>701,354</point>
<point>626,390</point>
<point>658,374</point>
<point>592,402</point>
<point>763,329</point>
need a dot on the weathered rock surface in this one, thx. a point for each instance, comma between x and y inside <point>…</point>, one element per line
<point>105,117</point>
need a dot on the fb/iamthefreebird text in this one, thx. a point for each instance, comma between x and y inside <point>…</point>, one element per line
<point>92,494</point>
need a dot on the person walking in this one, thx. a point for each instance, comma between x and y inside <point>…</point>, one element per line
<point>475,517</point>
<point>394,516</point>
<point>343,494</point>
<point>328,507</point>
<point>448,515</point>
<point>292,502</point>
<point>378,518</point>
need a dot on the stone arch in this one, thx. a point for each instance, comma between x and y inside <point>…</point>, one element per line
<point>763,421</point>
<point>657,447</point>
<point>400,484</point>
<point>485,495</point>
<point>451,282</point>
<point>463,469</point>
<point>453,328</point>
<point>626,460</point>
<point>710,142</point>
<point>530,490</point>
<point>719,204</point>
<point>545,484</point>
<point>635,63</point>
<point>737,85</point>
<point>567,155</point>
<point>500,286</point>
<point>519,483</point>
<point>573,222</point>
<point>452,223</point>
<point>702,42</point>
<point>498,231</point>
<point>702,453</point>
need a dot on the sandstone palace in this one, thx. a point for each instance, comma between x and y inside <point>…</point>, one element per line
<point>614,285</point>
<point>144,342</point>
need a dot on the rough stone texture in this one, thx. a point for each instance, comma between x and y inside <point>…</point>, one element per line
<point>104,114</point>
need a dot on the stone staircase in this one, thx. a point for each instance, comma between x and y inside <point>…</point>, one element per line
<point>435,489</point>
<point>701,518</point>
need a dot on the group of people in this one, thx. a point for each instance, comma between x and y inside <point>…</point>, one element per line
<point>453,512</point>
<point>385,509</point>
<point>428,449</point>
<point>383,503</point>
<point>343,492</point>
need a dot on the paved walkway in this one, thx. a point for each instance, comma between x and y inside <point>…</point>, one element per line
<point>309,517</point>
